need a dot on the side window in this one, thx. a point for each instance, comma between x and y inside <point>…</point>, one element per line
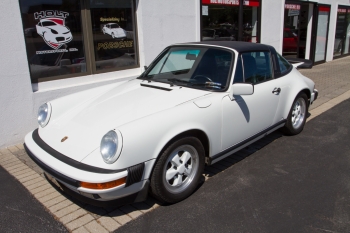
<point>284,64</point>
<point>239,72</point>
<point>257,67</point>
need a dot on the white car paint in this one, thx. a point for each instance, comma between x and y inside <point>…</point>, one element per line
<point>148,117</point>
<point>114,30</point>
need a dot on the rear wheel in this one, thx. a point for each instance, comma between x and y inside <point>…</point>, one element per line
<point>297,115</point>
<point>178,170</point>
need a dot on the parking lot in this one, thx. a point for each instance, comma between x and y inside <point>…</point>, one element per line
<point>276,184</point>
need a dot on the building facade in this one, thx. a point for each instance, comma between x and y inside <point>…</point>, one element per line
<point>52,48</point>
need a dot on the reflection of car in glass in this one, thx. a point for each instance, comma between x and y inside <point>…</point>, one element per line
<point>217,35</point>
<point>290,41</point>
<point>193,106</point>
<point>53,32</point>
<point>114,30</point>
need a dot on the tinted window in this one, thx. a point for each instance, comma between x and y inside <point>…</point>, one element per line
<point>257,67</point>
<point>284,64</point>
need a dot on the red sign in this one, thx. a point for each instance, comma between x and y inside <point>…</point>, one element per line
<point>324,8</point>
<point>255,3</point>
<point>292,6</point>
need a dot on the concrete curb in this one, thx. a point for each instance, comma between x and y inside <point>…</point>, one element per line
<point>78,217</point>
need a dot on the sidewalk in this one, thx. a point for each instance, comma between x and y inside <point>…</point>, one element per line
<point>332,80</point>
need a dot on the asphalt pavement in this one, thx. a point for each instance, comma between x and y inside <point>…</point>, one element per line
<point>295,184</point>
<point>20,211</point>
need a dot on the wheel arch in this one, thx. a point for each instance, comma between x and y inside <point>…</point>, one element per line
<point>201,135</point>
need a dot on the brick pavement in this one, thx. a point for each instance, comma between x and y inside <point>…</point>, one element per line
<point>332,80</point>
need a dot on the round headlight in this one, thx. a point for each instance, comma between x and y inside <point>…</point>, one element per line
<point>110,146</point>
<point>44,114</point>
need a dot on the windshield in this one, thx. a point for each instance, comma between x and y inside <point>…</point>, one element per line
<point>195,67</point>
<point>114,25</point>
<point>48,23</point>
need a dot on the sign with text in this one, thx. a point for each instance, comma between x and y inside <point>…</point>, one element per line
<point>231,2</point>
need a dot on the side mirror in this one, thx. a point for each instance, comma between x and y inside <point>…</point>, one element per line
<point>145,67</point>
<point>241,89</point>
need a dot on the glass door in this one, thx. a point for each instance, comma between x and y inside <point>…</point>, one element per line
<point>342,33</point>
<point>323,13</point>
<point>295,33</point>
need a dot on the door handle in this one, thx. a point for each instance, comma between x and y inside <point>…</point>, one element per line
<point>277,90</point>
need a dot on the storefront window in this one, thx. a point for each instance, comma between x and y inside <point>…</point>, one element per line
<point>53,35</point>
<point>342,33</point>
<point>322,33</point>
<point>220,20</point>
<point>296,19</point>
<point>113,34</point>
<point>57,44</point>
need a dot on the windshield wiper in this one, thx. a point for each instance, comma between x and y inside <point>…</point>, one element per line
<point>208,84</point>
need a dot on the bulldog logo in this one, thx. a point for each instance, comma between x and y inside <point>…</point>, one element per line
<point>51,27</point>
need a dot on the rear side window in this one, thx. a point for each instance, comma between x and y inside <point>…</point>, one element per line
<point>257,67</point>
<point>284,64</point>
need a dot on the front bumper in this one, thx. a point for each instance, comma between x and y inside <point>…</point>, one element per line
<point>314,96</point>
<point>71,176</point>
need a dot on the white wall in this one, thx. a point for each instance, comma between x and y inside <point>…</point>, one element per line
<point>272,18</point>
<point>166,22</point>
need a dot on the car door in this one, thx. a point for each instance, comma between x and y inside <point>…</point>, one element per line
<point>245,116</point>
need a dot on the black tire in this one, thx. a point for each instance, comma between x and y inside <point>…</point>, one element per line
<point>168,190</point>
<point>295,125</point>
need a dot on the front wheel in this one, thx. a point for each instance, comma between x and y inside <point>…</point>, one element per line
<point>297,115</point>
<point>178,170</point>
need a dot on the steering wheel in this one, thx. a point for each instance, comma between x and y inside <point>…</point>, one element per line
<point>202,78</point>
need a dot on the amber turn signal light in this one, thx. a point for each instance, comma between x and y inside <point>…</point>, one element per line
<point>106,185</point>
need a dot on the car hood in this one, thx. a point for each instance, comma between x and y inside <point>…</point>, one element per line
<point>87,122</point>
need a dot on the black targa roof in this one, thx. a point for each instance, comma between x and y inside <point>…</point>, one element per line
<point>239,46</point>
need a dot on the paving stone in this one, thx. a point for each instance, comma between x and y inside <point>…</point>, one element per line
<point>120,217</point>
<point>5,151</point>
<point>55,201</point>
<point>79,222</point>
<point>12,148</point>
<point>72,216</point>
<point>6,160</point>
<point>45,192</point>
<point>80,230</point>
<point>59,206</point>
<point>41,188</point>
<point>49,197</point>
<point>151,202</point>
<point>33,181</point>
<point>29,173</point>
<point>19,169</point>
<point>109,223</point>
<point>131,211</point>
<point>67,210</point>
<point>34,186</point>
<point>20,146</point>
<point>29,177</point>
<point>14,165</point>
<point>95,211</point>
<point>95,227</point>
<point>20,172</point>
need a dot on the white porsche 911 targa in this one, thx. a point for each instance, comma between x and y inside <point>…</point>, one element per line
<point>196,104</point>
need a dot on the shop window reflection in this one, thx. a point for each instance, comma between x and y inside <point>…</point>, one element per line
<point>113,34</point>
<point>53,36</point>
